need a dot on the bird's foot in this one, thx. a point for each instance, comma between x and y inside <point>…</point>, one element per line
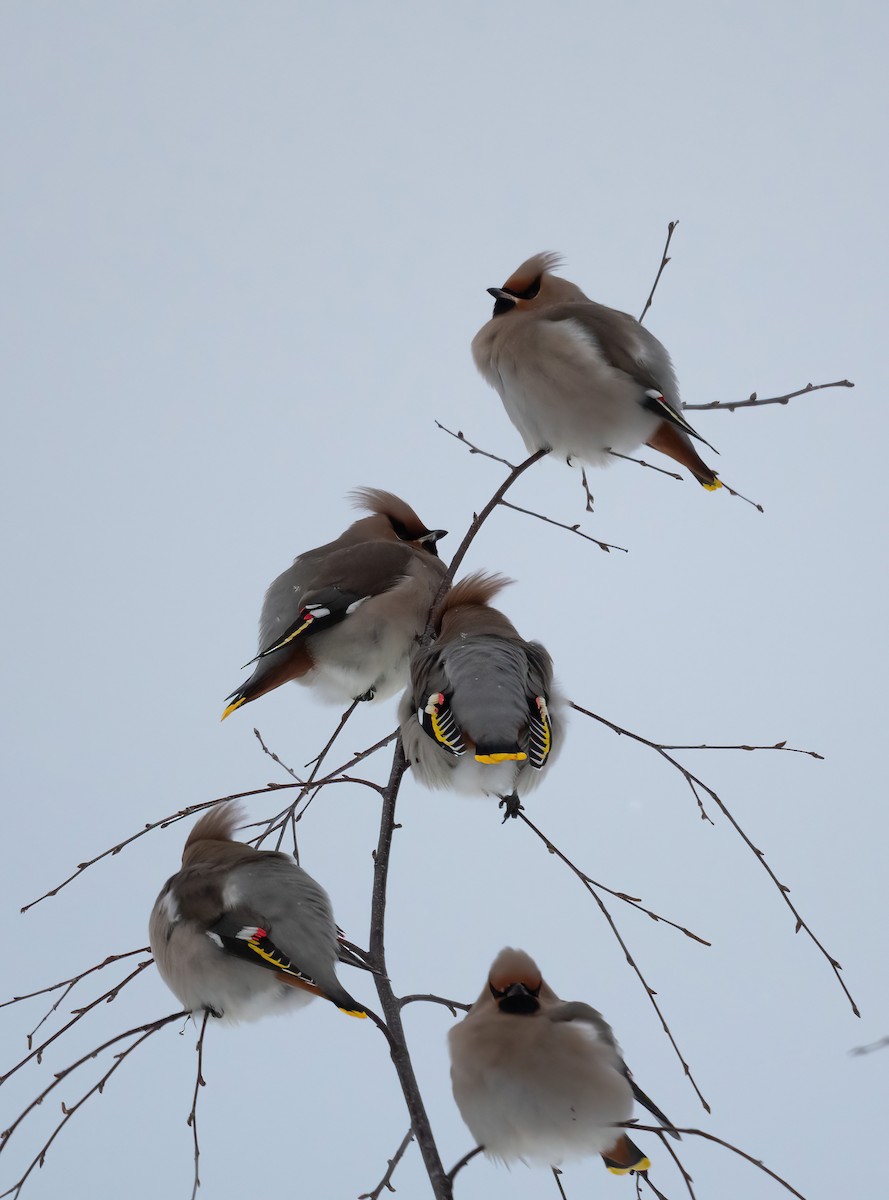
<point>511,805</point>
<point>368,695</point>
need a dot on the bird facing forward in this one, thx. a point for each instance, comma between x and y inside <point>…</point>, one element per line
<point>539,1079</point>
<point>242,932</point>
<point>581,379</point>
<point>343,617</point>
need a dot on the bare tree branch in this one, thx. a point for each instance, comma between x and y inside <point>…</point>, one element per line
<point>386,1181</point>
<point>592,883</point>
<point>649,991</point>
<point>606,546</point>
<point>69,983</point>
<point>753,401</point>
<point>79,1014</point>
<point>428,998</point>
<point>441,1185</point>
<point>710,1137</point>
<point>145,1031</point>
<point>664,260</point>
<point>461,1163</point>
<point>193,1115</point>
<point>650,466</point>
<point>694,783</point>
<point>480,518</point>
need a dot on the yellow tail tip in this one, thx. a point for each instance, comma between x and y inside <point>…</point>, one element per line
<point>354,1012</point>
<point>231,708</point>
<point>643,1164</point>
<point>490,759</point>
<point>712,487</point>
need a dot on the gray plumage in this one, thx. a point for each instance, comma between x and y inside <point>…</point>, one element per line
<point>344,616</point>
<point>481,714</point>
<point>539,1079</point>
<point>579,378</point>
<point>244,932</point>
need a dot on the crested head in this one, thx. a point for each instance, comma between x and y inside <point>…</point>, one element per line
<point>533,285</point>
<point>530,273</point>
<point>403,522</point>
<point>512,967</point>
<point>467,604</point>
<point>477,588</point>
<point>217,825</point>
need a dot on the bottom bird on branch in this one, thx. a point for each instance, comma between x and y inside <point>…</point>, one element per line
<point>539,1079</point>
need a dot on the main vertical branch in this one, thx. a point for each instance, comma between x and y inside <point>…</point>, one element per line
<point>441,1185</point>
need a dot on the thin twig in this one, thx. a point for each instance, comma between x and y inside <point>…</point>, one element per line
<point>112,958</point>
<point>79,1014</point>
<point>754,401</point>
<point>289,813</point>
<point>710,1137</point>
<point>606,546</point>
<point>428,998</point>
<point>480,518</point>
<point>633,901</point>
<point>643,1176</point>
<point>649,991</point>
<point>145,1030</point>
<point>475,449</point>
<point>199,1082</point>
<point>386,1181</point>
<point>881,1044</point>
<point>777,746</point>
<point>557,1175</point>
<point>686,1177</point>
<point>461,1163</point>
<point>664,260</point>
<point>694,783</point>
<point>650,466</point>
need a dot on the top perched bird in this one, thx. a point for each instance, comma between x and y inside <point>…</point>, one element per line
<point>344,616</point>
<point>578,378</point>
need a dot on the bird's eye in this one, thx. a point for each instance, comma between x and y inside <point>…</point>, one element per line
<point>530,292</point>
<point>401,531</point>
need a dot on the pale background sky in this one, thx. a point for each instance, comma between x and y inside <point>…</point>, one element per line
<point>244,251</point>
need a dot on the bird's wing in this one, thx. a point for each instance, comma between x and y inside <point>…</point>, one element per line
<point>576,1010</point>
<point>301,602</point>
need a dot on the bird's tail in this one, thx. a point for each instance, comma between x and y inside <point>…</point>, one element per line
<point>625,1156</point>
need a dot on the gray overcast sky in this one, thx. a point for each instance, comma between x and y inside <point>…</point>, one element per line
<point>245,250</point>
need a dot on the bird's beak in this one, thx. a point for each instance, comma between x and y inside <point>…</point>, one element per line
<point>500,294</point>
<point>429,539</point>
<point>519,999</point>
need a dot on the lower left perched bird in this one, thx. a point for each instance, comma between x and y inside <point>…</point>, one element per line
<point>242,932</point>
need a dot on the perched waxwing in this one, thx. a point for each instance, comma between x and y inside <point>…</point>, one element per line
<point>539,1079</point>
<point>243,932</point>
<point>578,378</point>
<point>343,617</point>
<point>481,713</point>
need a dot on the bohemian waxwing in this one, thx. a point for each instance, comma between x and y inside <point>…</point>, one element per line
<point>578,378</point>
<point>243,932</point>
<point>481,708</point>
<point>541,1079</point>
<point>343,618</point>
